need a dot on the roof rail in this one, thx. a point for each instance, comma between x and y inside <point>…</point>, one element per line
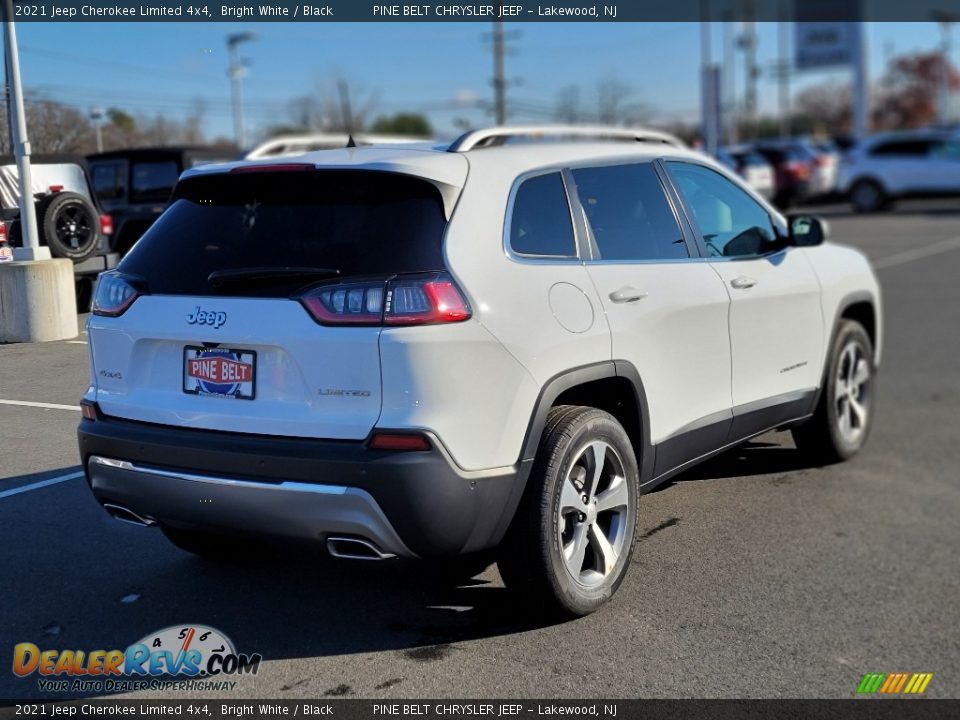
<point>495,136</point>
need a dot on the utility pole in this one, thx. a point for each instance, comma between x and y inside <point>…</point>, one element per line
<point>499,75</point>
<point>31,249</point>
<point>235,71</point>
<point>729,84</point>
<point>748,42</point>
<point>946,21</point>
<point>861,98</point>
<point>784,78</point>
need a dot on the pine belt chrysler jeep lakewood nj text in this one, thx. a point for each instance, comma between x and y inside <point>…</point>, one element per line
<point>415,353</point>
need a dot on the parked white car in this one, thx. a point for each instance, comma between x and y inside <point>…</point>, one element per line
<point>893,165</point>
<point>752,167</point>
<point>500,346</point>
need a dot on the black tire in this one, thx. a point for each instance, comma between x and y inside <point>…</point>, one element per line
<point>868,196</point>
<point>69,225</point>
<point>84,288</point>
<point>823,437</point>
<point>216,547</point>
<point>530,558</point>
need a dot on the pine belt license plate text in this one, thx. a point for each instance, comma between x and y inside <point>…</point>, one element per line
<point>219,372</point>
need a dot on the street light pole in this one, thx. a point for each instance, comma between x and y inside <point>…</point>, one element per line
<point>235,72</point>
<point>31,249</point>
<point>96,114</point>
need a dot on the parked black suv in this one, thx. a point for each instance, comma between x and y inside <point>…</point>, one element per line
<point>135,185</point>
<point>70,220</point>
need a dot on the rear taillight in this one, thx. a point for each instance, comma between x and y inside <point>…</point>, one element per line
<point>106,225</point>
<point>799,169</point>
<point>421,300</point>
<point>88,410</point>
<point>3,232</point>
<point>114,295</point>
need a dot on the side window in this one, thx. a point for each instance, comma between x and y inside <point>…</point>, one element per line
<point>540,224</point>
<point>946,150</point>
<point>154,181</point>
<point>901,148</point>
<point>733,223</point>
<point>110,180</point>
<point>629,214</point>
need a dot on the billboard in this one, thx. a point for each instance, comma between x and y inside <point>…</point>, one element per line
<point>823,44</point>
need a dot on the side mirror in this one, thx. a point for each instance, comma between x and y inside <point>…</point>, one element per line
<point>807,230</point>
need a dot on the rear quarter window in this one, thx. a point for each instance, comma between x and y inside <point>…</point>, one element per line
<point>540,223</point>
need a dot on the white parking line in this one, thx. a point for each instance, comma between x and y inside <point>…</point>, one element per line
<point>47,406</point>
<point>911,255</point>
<point>76,342</point>
<point>41,484</point>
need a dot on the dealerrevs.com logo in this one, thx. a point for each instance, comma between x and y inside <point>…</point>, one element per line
<point>180,657</point>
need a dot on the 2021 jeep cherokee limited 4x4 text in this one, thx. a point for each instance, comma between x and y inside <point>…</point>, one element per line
<point>418,353</point>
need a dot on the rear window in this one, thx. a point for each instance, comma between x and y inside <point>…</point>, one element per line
<point>357,222</point>
<point>110,180</point>
<point>754,159</point>
<point>154,181</point>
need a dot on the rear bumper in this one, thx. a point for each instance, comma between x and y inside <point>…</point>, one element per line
<point>407,503</point>
<point>96,264</point>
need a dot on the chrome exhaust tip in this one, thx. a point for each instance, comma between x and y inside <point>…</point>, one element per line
<point>353,548</point>
<point>125,514</point>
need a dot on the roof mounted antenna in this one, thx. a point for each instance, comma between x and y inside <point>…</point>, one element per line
<point>350,141</point>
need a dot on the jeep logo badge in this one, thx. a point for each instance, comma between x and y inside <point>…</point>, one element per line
<point>206,317</point>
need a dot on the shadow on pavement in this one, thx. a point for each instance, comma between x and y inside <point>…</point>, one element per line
<point>74,571</point>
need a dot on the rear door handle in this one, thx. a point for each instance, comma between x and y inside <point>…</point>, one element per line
<point>627,295</point>
<point>743,282</point>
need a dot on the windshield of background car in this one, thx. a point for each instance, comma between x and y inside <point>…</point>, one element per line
<point>109,180</point>
<point>153,181</point>
<point>358,222</point>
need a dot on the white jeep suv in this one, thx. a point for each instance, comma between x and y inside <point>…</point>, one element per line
<point>412,353</point>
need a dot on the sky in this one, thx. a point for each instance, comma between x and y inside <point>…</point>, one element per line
<point>167,68</point>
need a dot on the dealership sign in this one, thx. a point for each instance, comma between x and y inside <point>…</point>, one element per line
<point>824,44</point>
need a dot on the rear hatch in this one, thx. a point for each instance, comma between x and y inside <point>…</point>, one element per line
<point>257,301</point>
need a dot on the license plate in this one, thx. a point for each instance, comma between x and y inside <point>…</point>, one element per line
<point>219,372</point>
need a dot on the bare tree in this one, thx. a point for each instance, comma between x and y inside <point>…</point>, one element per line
<point>336,105</point>
<point>569,108</point>
<point>55,128</point>
<point>346,106</point>
<point>611,96</point>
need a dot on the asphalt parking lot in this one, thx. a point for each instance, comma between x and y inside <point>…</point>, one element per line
<point>755,575</point>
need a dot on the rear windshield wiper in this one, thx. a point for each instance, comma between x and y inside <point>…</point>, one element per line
<point>257,275</point>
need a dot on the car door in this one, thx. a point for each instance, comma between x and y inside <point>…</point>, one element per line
<point>776,322</point>
<point>903,165</point>
<point>944,166</point>
<point>667,311</point>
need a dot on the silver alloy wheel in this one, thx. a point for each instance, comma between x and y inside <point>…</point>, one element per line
<point>852,387</point>
<point>593,513</point>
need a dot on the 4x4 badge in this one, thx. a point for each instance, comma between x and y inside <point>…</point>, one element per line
<point>207,317</point>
